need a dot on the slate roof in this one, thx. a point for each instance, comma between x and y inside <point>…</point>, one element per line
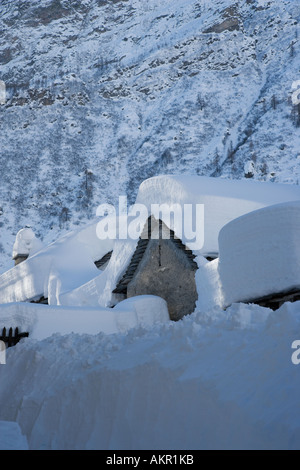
<point>101,262</point>
<point>144,239</point>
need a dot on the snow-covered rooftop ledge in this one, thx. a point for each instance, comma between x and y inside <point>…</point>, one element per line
<point>42,321</point>
<point>260,254</point>
<point>224,200</point>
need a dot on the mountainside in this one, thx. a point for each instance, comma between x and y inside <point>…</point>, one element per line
<point>101,94</point>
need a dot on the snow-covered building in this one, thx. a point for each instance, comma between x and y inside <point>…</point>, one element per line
<point>223,201</point>
<point>259,259</point>
<point>161,265</point>
<point>65,272</point>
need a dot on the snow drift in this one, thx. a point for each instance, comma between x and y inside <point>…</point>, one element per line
<point>218,380</point>
<point>11,437</point>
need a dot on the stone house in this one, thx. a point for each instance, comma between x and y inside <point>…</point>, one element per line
<point>161,265</point>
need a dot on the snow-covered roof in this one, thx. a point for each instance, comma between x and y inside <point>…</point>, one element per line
<point>259,257</point>
<point>65,273</point>
<point>59,267</point>
<point>224,200</point>
<point>260,254</point>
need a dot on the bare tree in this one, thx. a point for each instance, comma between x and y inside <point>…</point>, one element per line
<point>64,217</point>
<point>264,168</point>
<point>216,160</point>
<point>200,101</point>
<point>230,152</point>
<point>88,173</point>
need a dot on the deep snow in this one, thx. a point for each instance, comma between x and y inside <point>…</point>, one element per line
<point>11,437</point>
<point>41,321</point>
<point>218,380</point>
<point>93,377</point>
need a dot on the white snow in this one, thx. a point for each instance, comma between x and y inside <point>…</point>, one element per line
<point>208,284</point>
<point>93,377</point>
<point>223,199</point>
<point>214,380</point>
<point>126,104</point>
<point>57,268</point>
<point>11,437</point>
<point>260,253</point>
<point>26,243</point>
<point>64,272</point>
<point>42,321</point>
<point>98,291</point>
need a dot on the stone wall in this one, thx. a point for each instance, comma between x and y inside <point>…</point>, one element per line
<point>165,271</point>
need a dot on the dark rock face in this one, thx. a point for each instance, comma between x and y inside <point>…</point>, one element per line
<point>231,21</point>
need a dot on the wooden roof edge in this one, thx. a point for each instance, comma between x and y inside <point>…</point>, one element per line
<point>20,255</point>
<point>100,262</point>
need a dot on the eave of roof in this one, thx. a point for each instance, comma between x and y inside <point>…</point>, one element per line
<point>101,262</point>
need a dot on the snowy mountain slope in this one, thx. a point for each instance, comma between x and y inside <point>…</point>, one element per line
<point>102,94</point>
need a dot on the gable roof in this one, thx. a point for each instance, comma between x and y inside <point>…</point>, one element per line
<point>144,239</point>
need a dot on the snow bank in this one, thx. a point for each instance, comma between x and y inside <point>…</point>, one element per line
<point>260,253</point>
<point>223,199</point>
<point>11,437</point>
<point>41,321</point>
<point>223,380</point>
<point>208,285</point>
